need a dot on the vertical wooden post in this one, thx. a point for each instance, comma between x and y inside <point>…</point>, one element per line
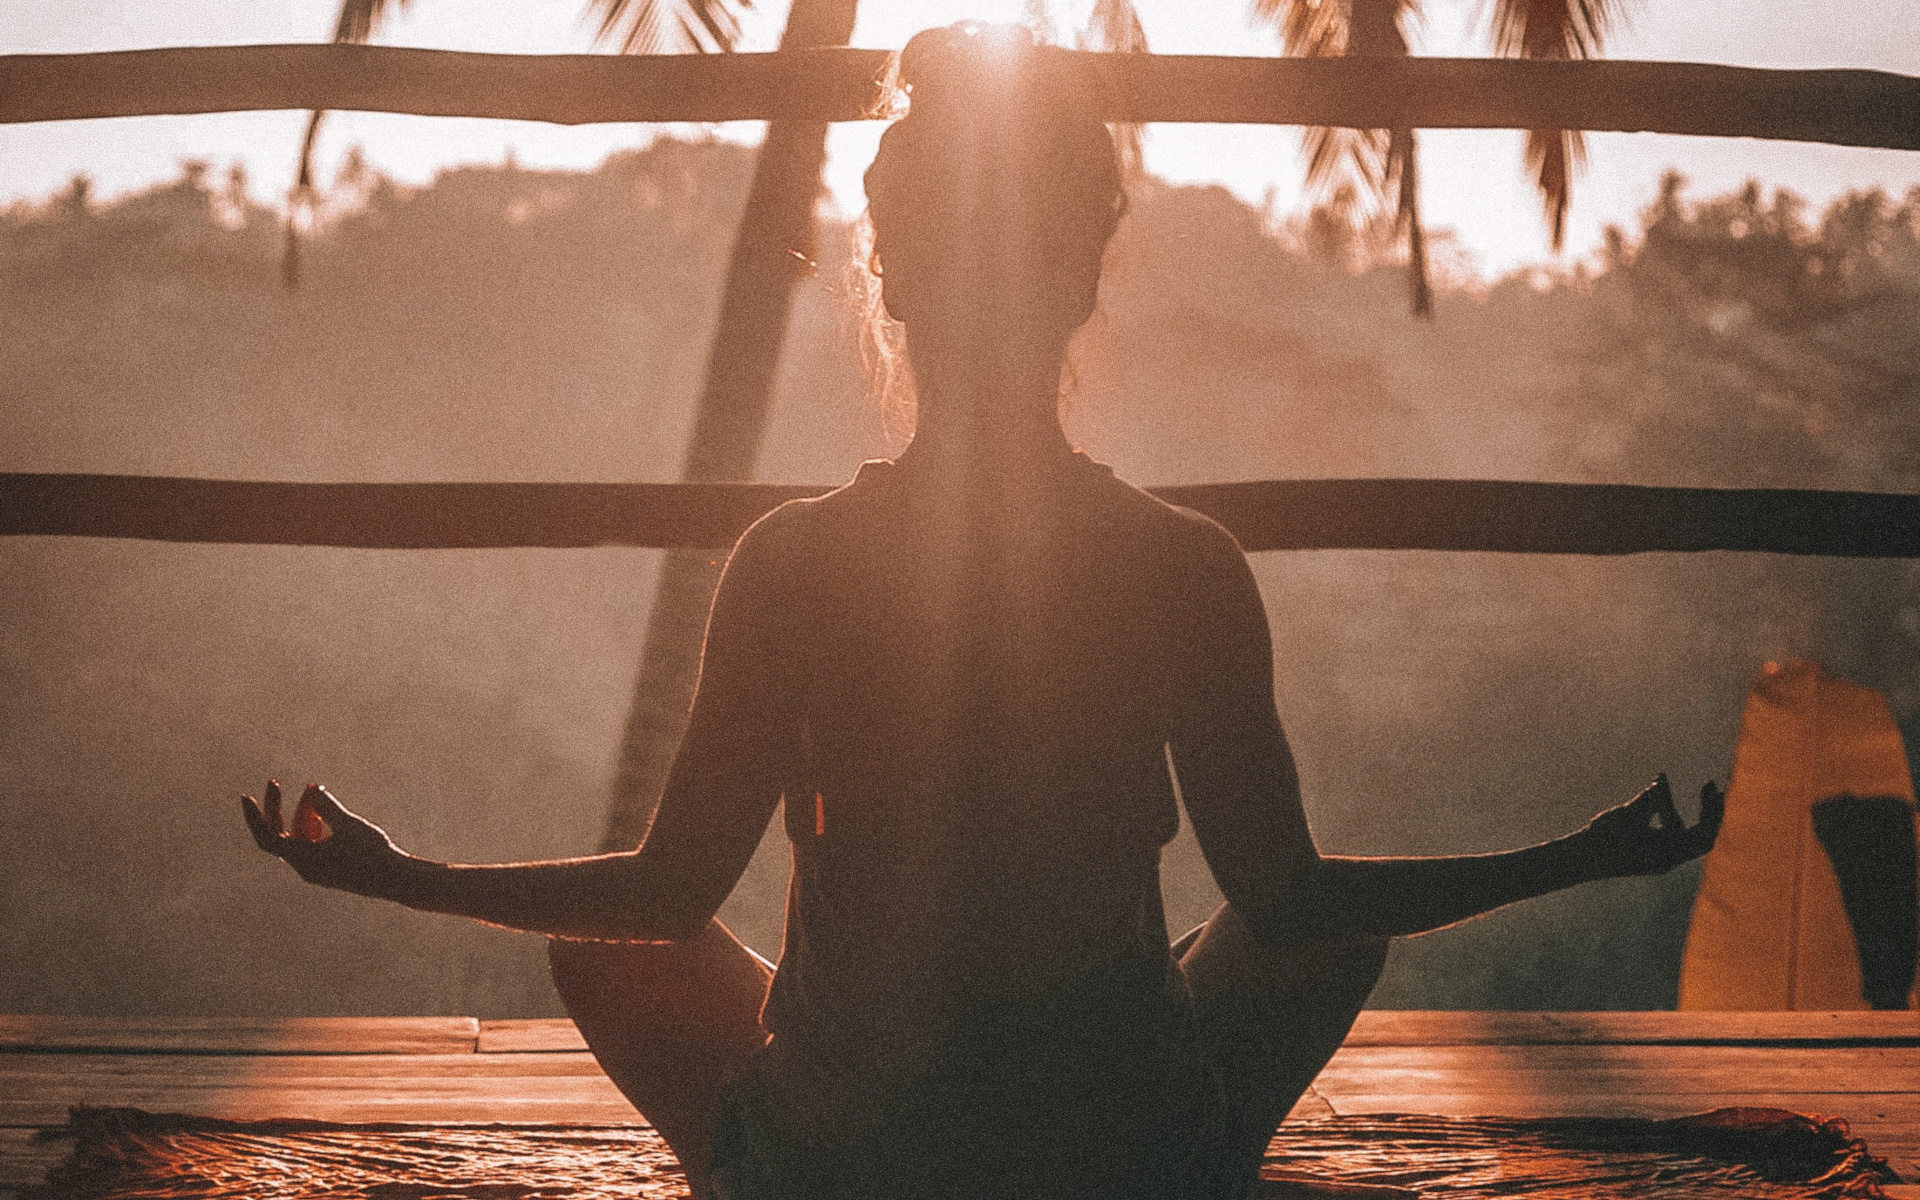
<point>772,252</point>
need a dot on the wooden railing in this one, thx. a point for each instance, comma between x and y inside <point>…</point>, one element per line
<point>1846,107</point>
<point>1297,514</point>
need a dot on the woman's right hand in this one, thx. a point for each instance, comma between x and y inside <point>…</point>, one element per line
<point>328,845</point>
<point>1646,835</point>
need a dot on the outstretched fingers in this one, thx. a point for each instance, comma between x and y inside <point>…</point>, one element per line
<point>313,819</point>
<point>1665,809</point>
<point>1654,805</point>
<point>263,836</point>
<point>1657,805</point>
<point>310,816</point>
<point>263,820</point>
<point>274,820</point>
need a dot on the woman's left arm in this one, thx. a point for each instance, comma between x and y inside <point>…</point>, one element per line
<point>723,788</point>
<point>1403,896</point>
<point>1242,792</point>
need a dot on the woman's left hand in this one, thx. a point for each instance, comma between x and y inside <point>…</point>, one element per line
<point>328,844</point>
<point>1647,836</point>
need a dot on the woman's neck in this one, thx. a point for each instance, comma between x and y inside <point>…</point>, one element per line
<point>987,414</point>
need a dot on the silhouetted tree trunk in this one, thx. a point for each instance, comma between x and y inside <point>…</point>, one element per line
<point>772,252</point>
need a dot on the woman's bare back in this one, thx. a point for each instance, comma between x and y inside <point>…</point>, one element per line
<point>974,709</point>
<point>974,706</point>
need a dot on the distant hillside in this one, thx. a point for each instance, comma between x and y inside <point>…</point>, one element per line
<point>521,325</point>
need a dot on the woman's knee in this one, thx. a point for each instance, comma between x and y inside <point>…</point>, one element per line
<point>670,1024</point>
<point>1224,955</point>
<point>712,981</point>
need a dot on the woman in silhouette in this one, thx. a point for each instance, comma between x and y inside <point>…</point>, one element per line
<point>981,677</point>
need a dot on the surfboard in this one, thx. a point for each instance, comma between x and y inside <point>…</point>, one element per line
<point>1769,928</point>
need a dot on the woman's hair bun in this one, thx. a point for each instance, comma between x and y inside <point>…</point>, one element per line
<point>974,63</point>
<point>996,121</point>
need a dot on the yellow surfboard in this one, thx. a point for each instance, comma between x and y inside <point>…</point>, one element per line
<point>1769,928</point>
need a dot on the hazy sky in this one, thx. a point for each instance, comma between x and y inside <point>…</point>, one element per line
<point>1471,181</point>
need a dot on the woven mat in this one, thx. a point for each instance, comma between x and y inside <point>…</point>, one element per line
<point>1755,1154</point>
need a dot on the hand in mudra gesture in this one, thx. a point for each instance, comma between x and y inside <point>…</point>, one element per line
<point>328,844</point>
<point>1647,836</point>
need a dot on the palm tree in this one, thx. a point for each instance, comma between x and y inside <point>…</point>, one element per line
<point>1344,165</point>
<point>772,251</point>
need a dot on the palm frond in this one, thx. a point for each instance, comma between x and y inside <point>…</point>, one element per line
<point>355,26</point>
<point>1375,27</point>
<point>671,26</point>
<point>299,200</point>
<point>1554,29</point>
<point>1331,28</point>
<point>1403,170</point>
<point>1327,29</point>
<point>1307,28</point>
<point>1114,26</point>
<point>1554,157</point>
<point>1364,165</point>
<point>1338,157</point>
<point>359,18</point>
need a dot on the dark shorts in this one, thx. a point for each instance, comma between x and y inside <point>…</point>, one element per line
<point>1176,1107</point>
<point>1147,1122</point>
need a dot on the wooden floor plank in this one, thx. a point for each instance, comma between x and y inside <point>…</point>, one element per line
<point>574,1098</point>
<point>1590,1069</point>
<point>241,1035</point>
<point>1864,1067</point>
<point>1311,1106</point>
<point>1392,1027</point>
<point>541,1035</point>
<point>1878,1108</point>
<point>289,1067</point>
<point>611,1109</point>
<point>1577,1069</point>
<point>99,1090</point>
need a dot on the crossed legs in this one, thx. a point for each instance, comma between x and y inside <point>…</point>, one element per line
<point>672,1024</point>
<point>1272,1017</point>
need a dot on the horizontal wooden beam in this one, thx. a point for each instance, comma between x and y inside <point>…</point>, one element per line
<point>1846,107</point>
<point>238,1035</point>
<point>1300,514</point>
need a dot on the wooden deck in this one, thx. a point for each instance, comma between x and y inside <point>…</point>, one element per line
<point>1861,1066</point>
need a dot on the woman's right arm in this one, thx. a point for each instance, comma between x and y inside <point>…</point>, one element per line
<point>724,786</point>
<point>605,897</point>
<point>1242,793</point>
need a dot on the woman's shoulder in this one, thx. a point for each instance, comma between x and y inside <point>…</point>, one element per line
<point>1094,500</point>
<point>792,529</point>
<point>1191,534</point>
